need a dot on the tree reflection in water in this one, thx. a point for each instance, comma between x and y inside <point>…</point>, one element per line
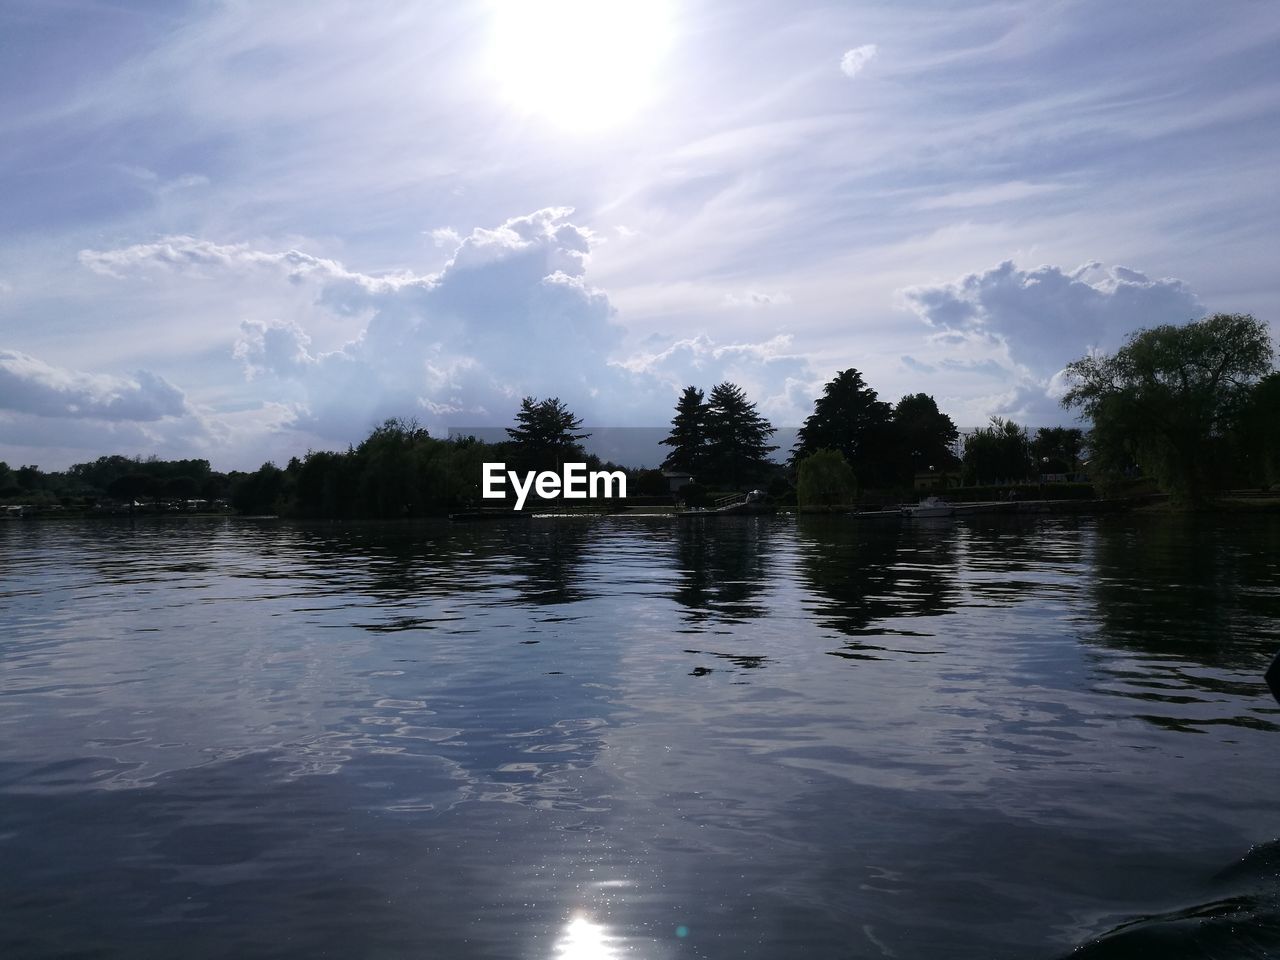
<point>723,567</point>
<point>870,577</point>
<point>1186,615</point>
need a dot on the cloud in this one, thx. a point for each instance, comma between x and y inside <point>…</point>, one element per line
<point>756,298</point>
<point>778,379</point>
<point>511,313</point>
<point>277,347</point>
<point>31,386</point>
<point>203,258</point>
<point>445,237</point>
<point>1010,192</point>
<point>986,368</point>
<point>1026,325</point>
<point>1049,316</point>
<point>854,60</point>
<point>160,187</point>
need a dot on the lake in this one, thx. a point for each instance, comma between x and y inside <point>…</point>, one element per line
<point>598,738</point>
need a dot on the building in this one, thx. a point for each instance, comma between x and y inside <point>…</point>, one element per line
<point>676,479</point>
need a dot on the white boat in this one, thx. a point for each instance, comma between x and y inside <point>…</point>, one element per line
<point>929,507</point>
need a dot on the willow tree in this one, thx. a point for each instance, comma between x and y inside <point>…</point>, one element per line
<point>1258,436</point>
<point>1171,395</point>
<point>824,479</point>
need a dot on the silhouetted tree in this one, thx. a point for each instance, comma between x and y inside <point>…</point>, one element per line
<point>259,492</point>
<point>546,432</point>
<point>1258,434</point>
<point>649,483</point>
<point>1171,395</point>
<point>738,445</point>
<point>1057,449</point>
<point>182,487</point>
<point>923,435</point>
<point>850,418</point>
<point>688,436</point>
<point>29,477</point>
<point>999,453</point>
<point>131,486</point>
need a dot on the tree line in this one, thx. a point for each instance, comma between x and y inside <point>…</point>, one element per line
<point>1195,408</point>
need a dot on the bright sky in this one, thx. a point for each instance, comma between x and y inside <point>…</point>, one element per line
<point>242,230</point>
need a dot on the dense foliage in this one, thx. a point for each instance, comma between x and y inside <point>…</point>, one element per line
<point>849,418</point>
<point>825,479</point>
<point>1172,398</point>
<point>997,453</point>
<point>397,471</point>
<point>885,445</point>
<point>922,437</point>
<point>1257,435</point>
<point>1057,449</point>
<point>117,478</point>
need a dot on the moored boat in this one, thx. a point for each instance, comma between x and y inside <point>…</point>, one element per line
<point>929,507</point>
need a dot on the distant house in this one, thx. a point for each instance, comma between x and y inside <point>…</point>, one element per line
<point>935,480</point>
<point>677,479</point>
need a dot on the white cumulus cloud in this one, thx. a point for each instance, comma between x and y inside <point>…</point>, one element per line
<point>511,313</point>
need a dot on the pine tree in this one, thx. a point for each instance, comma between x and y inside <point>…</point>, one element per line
<point>688,436</point>
<point>738,445</point>
<point>546,433</point>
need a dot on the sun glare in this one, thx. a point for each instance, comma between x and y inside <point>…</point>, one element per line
<point>585,940</point>
<point>582,64</point>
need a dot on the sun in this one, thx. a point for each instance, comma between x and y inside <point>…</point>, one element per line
<point>582,64</point>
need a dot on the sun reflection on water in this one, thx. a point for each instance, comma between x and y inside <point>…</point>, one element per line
<point>583,939</point>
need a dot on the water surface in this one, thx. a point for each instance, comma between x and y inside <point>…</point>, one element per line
<point>758,737</point>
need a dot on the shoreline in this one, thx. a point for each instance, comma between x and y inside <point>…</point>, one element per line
<point>1250,505</point>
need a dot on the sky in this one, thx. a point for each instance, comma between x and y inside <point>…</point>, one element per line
<point>241,231</point>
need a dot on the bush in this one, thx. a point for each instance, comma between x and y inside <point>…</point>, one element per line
<point>825,480</point>
<point>650,483</point>
<point>693,495</point>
